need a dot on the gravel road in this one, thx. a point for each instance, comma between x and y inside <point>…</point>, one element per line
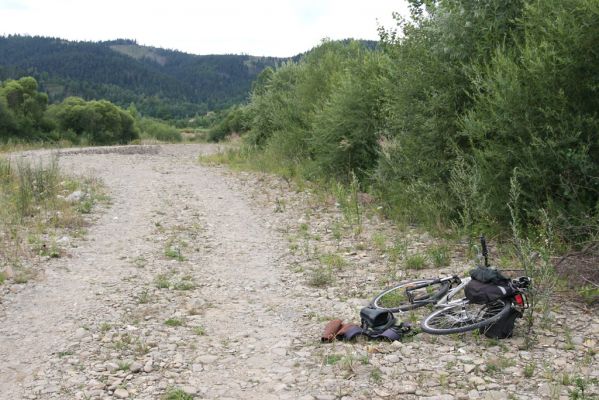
<point>195,279</point>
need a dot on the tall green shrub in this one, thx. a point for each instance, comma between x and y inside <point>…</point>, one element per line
<point>347,130</point>
<point>97,122</point>
<point>536,117</point>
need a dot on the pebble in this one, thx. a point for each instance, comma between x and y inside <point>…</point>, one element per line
<point>121,393</point>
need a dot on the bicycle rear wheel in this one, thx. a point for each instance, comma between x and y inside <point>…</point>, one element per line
<point>464,317</point>
<point>396,298</point>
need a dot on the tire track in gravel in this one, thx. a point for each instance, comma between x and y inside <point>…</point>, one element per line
<point>51,343</point>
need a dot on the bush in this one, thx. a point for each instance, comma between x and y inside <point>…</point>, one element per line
<point>535,117</point>
<point>22,109</point>
<point>152,128</point>
<point>96,122</point>
<point>234,121</point>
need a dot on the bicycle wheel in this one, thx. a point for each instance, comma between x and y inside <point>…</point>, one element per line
<point>464,317</point>
<point>396,298</point>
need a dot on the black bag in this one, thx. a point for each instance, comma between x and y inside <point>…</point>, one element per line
<point>488,275</point>
<point>483,293</point>
<point>503,328</point>
<point>376,320</point>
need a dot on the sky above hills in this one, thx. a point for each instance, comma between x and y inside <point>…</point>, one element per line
<point>279,28</point>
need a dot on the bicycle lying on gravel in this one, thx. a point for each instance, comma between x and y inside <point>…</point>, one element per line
<point>454,313</point>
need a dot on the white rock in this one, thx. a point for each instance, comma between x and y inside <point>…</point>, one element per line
<point>121,393</point>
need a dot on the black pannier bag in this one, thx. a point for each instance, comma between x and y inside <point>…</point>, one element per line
<point>503,328</point>
<point>483,293</point>
<point>376,320</point>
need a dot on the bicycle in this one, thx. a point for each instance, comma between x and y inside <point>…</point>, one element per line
<point>453,314</point>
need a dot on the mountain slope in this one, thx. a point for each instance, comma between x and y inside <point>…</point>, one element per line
<point>162,83</point>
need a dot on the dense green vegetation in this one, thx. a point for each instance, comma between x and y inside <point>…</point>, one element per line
<point>474,114</point>
<point>162,83</point>
<point>25,116</point>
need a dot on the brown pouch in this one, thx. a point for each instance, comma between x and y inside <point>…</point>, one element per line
<point>331,330</point>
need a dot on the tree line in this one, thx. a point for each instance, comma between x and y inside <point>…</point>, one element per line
<point>162,83</point>
<point>25,115</point>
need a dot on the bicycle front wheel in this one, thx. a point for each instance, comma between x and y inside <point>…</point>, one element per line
<point>409,295</point>
<point>464,317</point>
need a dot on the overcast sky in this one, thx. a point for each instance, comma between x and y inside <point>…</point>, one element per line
<point>257,27</point>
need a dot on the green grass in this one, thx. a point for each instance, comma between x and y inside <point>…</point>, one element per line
<point>33,206</point>
<point>173,322</point>
<point>321,277</point>
<point>416,261</point>
<point>2,278</point>
<point>123,366</point>
<point>162,281</point>
<point>332,260</point>
<point>173,252</point>
<point>439,256</point>
<point>176,394</point>
<point>185,285</point>
<point>332,359</point>
<point>199,330</point>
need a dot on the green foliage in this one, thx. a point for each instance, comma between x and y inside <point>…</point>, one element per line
<point>439,120</point>
<point>535,116</point>
<point>154,129</point>
<point>94,122</point>
<point>176,394</point>
<point>346,131</point>
<point>234,121</point>
<point>163,84</point>
<point>22,109</point>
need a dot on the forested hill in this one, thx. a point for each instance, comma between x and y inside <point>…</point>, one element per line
<point>161,83</point>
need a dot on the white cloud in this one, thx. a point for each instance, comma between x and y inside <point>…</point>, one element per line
<point>259,27</point>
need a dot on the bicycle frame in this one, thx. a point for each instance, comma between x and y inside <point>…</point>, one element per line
<point>448,301</point>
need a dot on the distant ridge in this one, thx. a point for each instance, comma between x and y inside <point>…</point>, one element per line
<point>162,83</point>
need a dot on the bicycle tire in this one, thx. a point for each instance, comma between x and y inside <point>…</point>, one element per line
<point>464,317</point>
<point>395,298</point>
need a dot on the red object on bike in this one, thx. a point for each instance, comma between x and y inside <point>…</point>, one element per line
<point>519,299</point>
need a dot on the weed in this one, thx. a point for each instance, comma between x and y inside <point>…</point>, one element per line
<point>185,285</point>
<point>337,231</point>
<point>176,394</point>
<point>162,281</point>
<point>321,277</point>
<point>332,359</point>
<point>124,342</point>
<point>62,354</point>
<point>141,348</point>
<point>144,297</point>
<point>569,345</point>
<point>379,241</point>
<point>581,386</point>
<point>123,366</point>
<point>348,364</point>
<point>589,294</point>
<point>333,261</point>
<point>173,252</point>
<point>2,277</point>
<point>105,327</point>
<point>376,375</point>
<point>529,370</point>
<point>439,256</point>
<point>398,251</point>
<point>199,330</point>
<point>173,322</point>
<point>416,261</point>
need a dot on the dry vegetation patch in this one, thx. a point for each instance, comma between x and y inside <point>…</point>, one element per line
<point>41,209</point>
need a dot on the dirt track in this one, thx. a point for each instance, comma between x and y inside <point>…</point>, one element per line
<point>186,281</point>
